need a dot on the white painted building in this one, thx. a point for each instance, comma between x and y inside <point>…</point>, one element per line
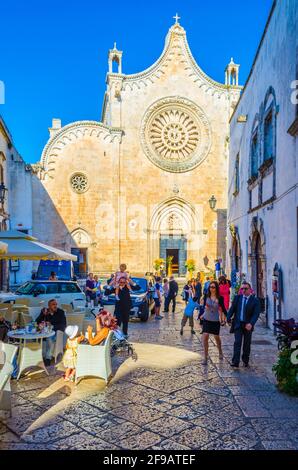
<point>263,174</point>
<point>16,210</point>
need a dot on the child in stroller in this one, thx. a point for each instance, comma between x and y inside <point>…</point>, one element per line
<point>119,343</point>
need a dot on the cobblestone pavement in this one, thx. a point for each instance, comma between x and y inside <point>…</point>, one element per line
<point>166,399</point>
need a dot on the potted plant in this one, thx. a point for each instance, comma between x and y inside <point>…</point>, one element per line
<point>286,367</point>
<point>169,265</point>
<point>157,264</point>
<point>190,266</point>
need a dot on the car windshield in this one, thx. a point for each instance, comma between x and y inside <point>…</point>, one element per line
<point>142,283</point>
<point>25,288</point>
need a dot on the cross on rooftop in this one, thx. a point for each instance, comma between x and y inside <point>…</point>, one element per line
<point>177,18</point>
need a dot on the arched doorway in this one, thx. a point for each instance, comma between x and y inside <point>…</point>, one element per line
<point>258,260</point>
<point>80,243</point>
<point>173,230</point>
<point>236,256</point>
<point>259,274</point>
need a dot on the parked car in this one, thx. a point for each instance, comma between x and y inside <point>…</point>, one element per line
<point>142,299</point>
<point>65,292</point>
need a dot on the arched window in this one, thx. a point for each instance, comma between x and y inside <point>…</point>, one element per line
<point>254,154</point>
<point>237,175</point>
<point>115,64</point>
<point>269,125</point>
<point>268,136</point>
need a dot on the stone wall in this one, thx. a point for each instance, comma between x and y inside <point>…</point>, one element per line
<point>140,179</point>
<point>273,209</point>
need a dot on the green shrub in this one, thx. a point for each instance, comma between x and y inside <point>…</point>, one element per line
<point>286,372</point>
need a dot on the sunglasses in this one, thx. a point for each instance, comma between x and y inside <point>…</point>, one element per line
<point>212,287</point>
<point>245,288</point>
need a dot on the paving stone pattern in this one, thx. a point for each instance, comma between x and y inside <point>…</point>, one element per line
<point>190,406</point>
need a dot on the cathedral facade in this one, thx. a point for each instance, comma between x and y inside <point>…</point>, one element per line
<point>136,185</point>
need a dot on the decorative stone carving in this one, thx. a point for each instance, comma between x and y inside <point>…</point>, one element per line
<point>80,237</point>
<point>174,222</point>
<point>76,131</point>
<point>175,134</point>
<point>79,183</point>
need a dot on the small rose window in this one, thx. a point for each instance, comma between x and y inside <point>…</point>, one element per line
<point>79,182</point>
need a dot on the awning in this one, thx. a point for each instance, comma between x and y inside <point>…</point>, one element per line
<point>24,247</point>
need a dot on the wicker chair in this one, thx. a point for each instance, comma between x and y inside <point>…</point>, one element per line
<point>9,314</point>
<point>67,308</point>
<point>59,345</point>
<point>23,301</point>
<point>9,352</point>
<point>75,319</point>
<point>26,319</point>
<point>95,361</point>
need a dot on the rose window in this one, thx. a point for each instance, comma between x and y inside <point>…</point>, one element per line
<point>79,182</point>
<point>175,134</point>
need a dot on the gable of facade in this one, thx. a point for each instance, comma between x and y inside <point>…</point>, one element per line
<point>162,143</point>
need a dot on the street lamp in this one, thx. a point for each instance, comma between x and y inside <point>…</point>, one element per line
<point>212,202</point>
<point>3,189</point>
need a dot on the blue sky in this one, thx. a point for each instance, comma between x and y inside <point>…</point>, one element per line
<point>53,55</point>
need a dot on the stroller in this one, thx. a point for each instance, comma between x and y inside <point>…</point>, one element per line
<point>122,346</point>
<point>119,343</point>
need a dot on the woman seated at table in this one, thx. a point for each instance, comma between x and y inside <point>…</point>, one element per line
<point>105,322</point>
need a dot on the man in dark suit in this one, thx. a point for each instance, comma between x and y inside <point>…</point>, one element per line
<point>244,313</point>
<point>171,297</point>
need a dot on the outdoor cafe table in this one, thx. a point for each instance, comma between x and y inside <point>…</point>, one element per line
<point>30,353</point>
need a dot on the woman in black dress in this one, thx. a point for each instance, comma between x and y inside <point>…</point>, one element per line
<point>214,316</point>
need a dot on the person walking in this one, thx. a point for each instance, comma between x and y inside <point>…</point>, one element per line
<point>165,288</point>
<point>213,318</point>
<point>224,291</point>
<point>187,292</point>
<point>173,291</point>
<point>198,288</point>
<point>242,316</point>
<point>157,296</point>
<point>123,306</point>
<point>188,314</point>
<point>206,285</point>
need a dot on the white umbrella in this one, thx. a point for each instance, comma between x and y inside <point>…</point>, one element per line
<point>23,246</point>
